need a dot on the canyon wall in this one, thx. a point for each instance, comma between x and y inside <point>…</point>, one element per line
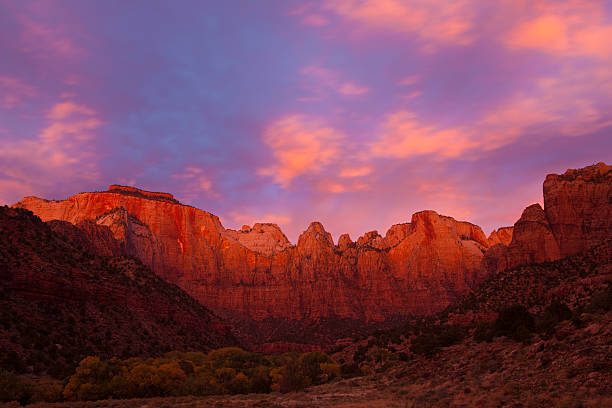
<point>418,267</point>
<point>577,215</point>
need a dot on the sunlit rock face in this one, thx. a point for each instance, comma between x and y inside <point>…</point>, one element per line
<point>578,206</point>
<point>417,267</point>
<point>266,239</point>
<point>577,215</point>
<point>501,235</point>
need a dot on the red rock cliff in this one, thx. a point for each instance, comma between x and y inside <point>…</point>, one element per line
<point>418,267</point>
<point>577,215</point>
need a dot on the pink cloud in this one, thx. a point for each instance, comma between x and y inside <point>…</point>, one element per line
<point>433,22</point>
<point>300,145</point>
<point>564,28</point>
<point>328,185</point>
<point>403,135</point>
<point>563,103</point>
<point>315,20</point>
<point>409,80</point>
<point>14,92</point>
<point>63,151</point>
<point>196,181</point>
<point>349,88</point>
<point>65,109</point>
<point>355,171</point>
<point>42,38</point>
<point>322,80</point>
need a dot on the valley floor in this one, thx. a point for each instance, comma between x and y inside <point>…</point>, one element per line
<point>572,368</point>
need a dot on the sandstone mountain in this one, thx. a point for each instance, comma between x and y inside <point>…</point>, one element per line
<point>418,267</point>
<point>577,215</point>
<point>63,297</point>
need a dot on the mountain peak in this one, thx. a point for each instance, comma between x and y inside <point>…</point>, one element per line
<point>152,195</point>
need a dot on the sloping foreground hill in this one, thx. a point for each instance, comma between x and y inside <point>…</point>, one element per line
<point>62,300</point>
<point>564,360</point>
<point>572,280</point>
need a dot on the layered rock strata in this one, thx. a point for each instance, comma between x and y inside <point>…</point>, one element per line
<point>577,215</point>
<point>418,267</point>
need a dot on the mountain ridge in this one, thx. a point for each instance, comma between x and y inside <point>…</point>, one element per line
<point>419,267</point>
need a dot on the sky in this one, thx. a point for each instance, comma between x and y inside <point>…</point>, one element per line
<point>352,113</point>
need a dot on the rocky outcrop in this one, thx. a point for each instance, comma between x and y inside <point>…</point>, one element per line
<point>501,235</point>
<point>417,267</point>
<point>577,215</point>
<point>89,236</point>
<point>135,237</point>
<point>578,206</point>
<point>345,242</point>
<point>266,239</point>
<point>533,242</point>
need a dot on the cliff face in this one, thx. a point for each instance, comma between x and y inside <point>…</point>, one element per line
<point>578,207</point>
<point>577,215</point>
<point>61,283</point>
<point>266,239</point>
<point>418,267</point>
<point>501,235</point>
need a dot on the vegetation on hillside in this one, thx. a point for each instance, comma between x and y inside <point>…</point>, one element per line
<point>222,371</point>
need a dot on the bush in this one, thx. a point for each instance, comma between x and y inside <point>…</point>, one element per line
<point>260,382</point>
<point>437,337</point>
<point>484,332</point>
<point>556,312</point>
<point>14,388</point>
<point>223,371</point>
<point>330,371</point>
<point>310,364</point>
<point>47,392</point>
<point>350,370</point>
<point>514,322</point>
<point>601,301</point>
<point>293,378</point>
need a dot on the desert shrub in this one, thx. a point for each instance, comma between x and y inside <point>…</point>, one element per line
<point>484,332</point>
<point>514,322</point>
<point>14,388</point>
<point>13,362</point>
<point>223,371</point>
<point>601,301</point>
<point>549,319</point>
<point>434,338</point>
<point>293,378</point>
<point>186,366</point>
<point>225,374</point>
<point>330,370</point>
<point>260,380</point>
<point>235,357</point>
<point>47,392</point>
<point>360,354</point>
<point>379,354</point>
<point>89,381</point>
<point>310,364</point>
<point>350,370</point>
<point>238,385</point>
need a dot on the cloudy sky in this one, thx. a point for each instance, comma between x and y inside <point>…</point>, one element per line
<point>353,113</point>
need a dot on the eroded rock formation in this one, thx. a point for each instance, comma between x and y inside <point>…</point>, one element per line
<point>501,235</point>
<point>418,267</point>
<point>577,215</point>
